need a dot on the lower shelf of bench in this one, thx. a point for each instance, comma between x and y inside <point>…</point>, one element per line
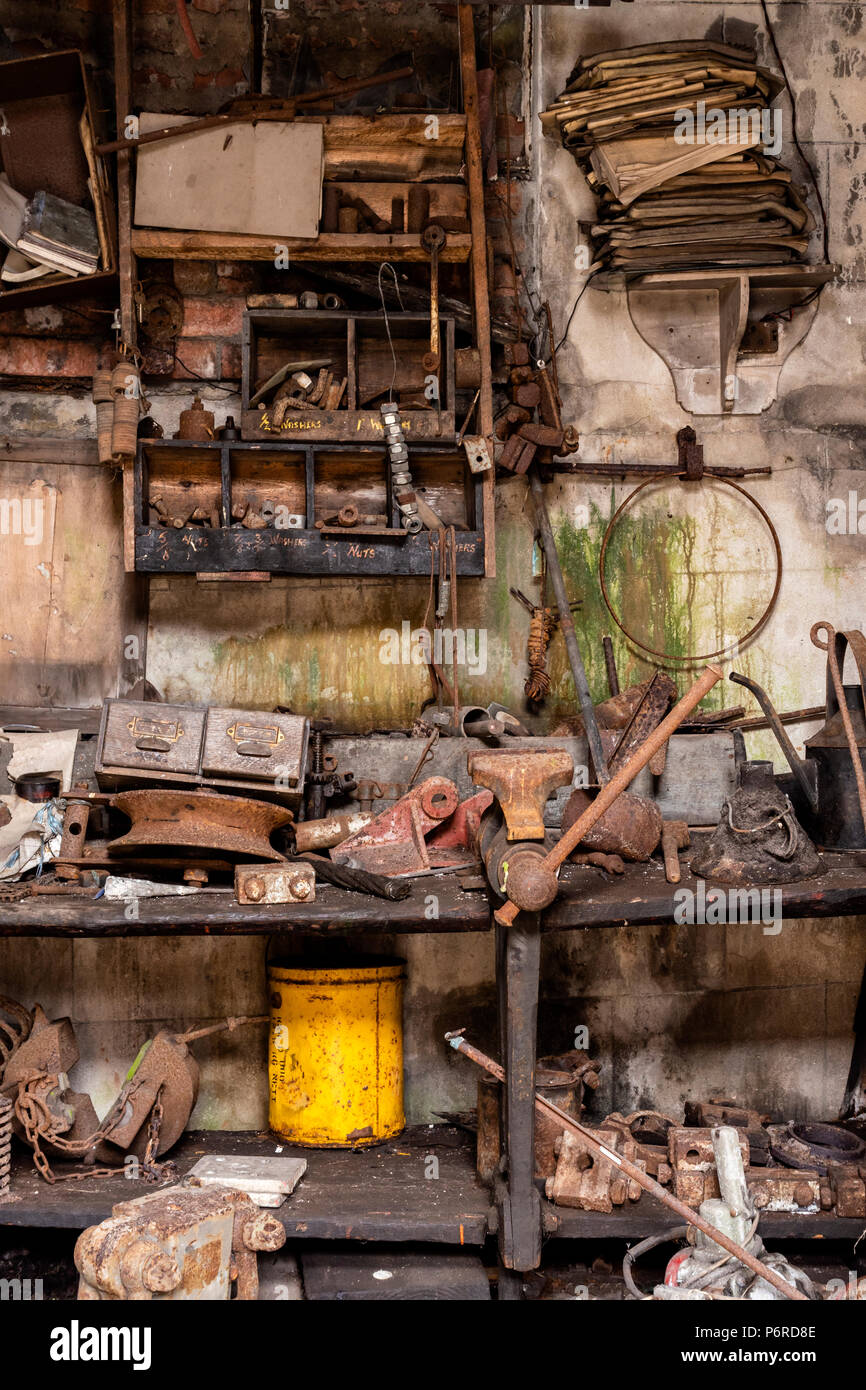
<point>392,1192</point>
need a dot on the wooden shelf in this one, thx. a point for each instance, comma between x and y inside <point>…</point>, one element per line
<point>640,897</point>
<point>150,244</point>
<point>379,1194</point>
<point>375,1194</point>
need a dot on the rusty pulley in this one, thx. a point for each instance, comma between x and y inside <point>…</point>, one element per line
<point>198,821</point>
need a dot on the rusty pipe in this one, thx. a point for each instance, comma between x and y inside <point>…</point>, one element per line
<point>329,831</point>
<point>792,758</point>
<point>553,1112</point>
<point>506,914</point>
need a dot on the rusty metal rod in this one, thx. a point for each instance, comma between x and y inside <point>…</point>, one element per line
<point>547,1108</point>
<point>286,113</point>
<point>792,716</point>
<point>610,664</point>
<point>506,914</point>
<point>575,660</point>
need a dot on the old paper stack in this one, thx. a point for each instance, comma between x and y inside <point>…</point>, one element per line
<point>680,143</point>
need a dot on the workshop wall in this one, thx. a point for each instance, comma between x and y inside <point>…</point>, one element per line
<point>662,1004</point>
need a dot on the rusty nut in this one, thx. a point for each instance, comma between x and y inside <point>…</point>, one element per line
<point>264,1232</point>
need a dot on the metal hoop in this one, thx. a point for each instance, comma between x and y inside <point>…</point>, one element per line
<point>665,658</point>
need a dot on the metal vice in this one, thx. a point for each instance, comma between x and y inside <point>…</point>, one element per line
<point>511,837</point>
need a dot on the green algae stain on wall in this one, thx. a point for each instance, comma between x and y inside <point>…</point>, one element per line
<point>648,574</point>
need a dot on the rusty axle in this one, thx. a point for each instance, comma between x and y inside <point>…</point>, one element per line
<point>546,1107</point>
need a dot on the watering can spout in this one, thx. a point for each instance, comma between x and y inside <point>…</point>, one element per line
<point>797,765</point>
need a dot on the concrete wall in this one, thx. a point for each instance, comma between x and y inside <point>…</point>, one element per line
<point>672,1011</point>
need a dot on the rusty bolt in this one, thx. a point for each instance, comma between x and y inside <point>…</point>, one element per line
<point>264,1232</point>
<point>299,887</point>
<point>160,1272</point>
<point>803,1194</point>
<point>255,889</point>
<point>760,1195</point>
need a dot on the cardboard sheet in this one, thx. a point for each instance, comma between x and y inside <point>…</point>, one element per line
<point>262,178</point>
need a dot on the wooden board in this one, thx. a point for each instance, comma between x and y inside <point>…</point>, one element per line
<point>587,898</point>
<point>73,630</point>
<point>331,246</point>
<point>217,913</point>
<point>263,178</point>
<point>379,1194</point>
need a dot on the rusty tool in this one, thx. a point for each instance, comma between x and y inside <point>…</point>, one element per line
<point>567,1122</point>
<point>357,880</point>
<point>433,239</point>
<point>262,109</point>
<point>545,871</point>
<point>511,835</point>
<point>675,836</point>
<point>610,664</point>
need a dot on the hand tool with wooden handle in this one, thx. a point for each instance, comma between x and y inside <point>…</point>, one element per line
<point>675,836</point>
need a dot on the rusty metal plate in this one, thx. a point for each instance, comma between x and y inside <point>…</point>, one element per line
<point>252,744</point>
<point>234,825</point>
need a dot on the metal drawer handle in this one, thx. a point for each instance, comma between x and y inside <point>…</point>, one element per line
<point>250,749</point>
<point>153,745</point>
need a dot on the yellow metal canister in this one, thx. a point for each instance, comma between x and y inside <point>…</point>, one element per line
<point>336,1051</point>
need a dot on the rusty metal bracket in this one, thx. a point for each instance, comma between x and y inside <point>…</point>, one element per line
<point>394,842</point>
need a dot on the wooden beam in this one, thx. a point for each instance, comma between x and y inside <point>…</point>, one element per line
<point>123,108</point>
<point>154,244</point>
<point>480,269</point>
<point>35,449</point>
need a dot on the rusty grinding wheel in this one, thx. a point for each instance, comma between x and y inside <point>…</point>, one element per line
<point>196,821</point>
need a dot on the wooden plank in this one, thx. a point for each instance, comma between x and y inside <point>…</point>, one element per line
<point>649,1217</point>
<point>152,244</point>
<point>123,107</point>
<point>49,718</point>
<point>69,610</point>
<point>642,896</point>
<point>478,224</point>
<point>38,449</point>
<point>216,913</point>
<point>380,1195</point>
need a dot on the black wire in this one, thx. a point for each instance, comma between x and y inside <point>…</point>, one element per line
<point>585,287</point>
<point>794,130</point>
<point>229,390</point>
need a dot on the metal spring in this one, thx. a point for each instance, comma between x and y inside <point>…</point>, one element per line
<point>5,1144</point>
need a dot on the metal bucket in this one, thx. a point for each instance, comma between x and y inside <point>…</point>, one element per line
<point>336,1051</point>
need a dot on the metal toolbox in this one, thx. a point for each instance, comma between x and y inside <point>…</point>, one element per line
<point>197,745</point>
<point>151,737</point>
<point>253,744</point>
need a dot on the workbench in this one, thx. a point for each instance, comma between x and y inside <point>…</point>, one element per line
<point>381,1194</point>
